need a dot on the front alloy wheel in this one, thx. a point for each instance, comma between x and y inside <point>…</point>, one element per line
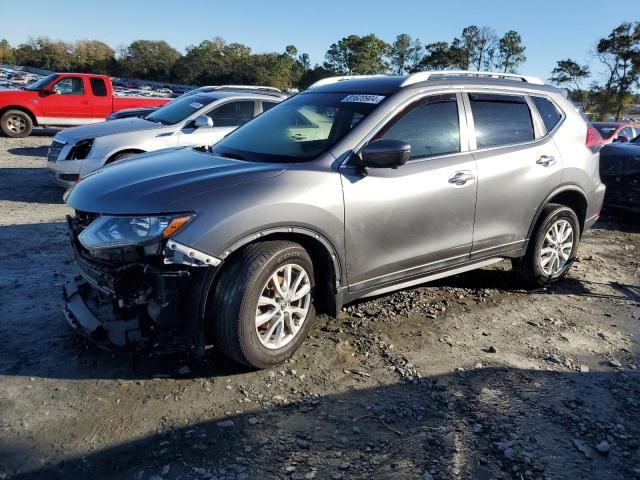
<point>283,306</point>
<point>262,305</point>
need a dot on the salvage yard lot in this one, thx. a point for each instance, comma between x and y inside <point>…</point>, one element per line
<point>468,377</point>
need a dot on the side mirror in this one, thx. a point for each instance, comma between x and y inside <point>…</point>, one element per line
<point>203,121</point>
<point>49,90</point>
<point>622,138</point>
<point>386,154</point>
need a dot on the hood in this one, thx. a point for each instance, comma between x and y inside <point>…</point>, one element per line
<point>113,127</point>
<point>620,149</point>
<point>165,181</point>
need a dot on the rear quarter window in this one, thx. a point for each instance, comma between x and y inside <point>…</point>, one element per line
<point>548,112</point>
<point>98,87</point>
<point>501,120</point>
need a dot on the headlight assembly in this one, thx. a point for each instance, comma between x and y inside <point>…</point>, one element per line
<point>81,150</point>
<point>115,231</point>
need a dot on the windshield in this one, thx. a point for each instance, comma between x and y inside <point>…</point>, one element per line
<point>180,109</point>
<point>606,130</point>
<point>299,128</point>
<point>42,82</point>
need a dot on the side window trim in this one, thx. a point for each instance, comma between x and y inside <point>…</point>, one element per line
<point>400,109</point>
<point>82,82</point>
<point>535,109</point>
<point>536,121</point>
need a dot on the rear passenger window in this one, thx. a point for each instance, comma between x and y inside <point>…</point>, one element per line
<point>548,112</point>
<point>430,126</point>
<point>98,88</point>
<point>500,120</point>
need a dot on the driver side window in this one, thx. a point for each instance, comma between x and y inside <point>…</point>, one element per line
<point>232,114</point>
<point>431,126</point>
<point>70,86</point>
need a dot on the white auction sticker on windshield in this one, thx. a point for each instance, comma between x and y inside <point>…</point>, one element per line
<point>363,99</point>
<point>196,105</point>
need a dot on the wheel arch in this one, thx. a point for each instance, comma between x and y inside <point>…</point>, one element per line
<point>113,155</point>
<point>328,270</point>
<point>571,196</point>
<point>34,119</point>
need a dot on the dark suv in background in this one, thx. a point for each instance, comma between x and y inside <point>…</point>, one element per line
<point>352,188</point>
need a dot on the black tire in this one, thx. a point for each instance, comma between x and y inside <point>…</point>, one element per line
<point>235,300</point>
<point>16,124</point>
<point>120,156</point>
<point>529,267</point>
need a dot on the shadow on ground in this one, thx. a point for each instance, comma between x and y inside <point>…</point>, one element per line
<point>32,185</point>
<point>480,424</point>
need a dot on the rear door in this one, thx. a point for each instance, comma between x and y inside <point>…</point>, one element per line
<point>71,100</point>
<point>518,165</point>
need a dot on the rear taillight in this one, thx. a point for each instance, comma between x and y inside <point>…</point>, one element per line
<point>594,139</point>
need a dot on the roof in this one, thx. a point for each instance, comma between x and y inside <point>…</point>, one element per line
<point>389,84</point>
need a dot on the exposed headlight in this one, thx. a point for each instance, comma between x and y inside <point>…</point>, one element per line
<point>113,232</point>
<point>81,150</point>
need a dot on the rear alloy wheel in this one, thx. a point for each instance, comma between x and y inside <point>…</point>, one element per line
<point>16,124</point>
<point>263,303</point>
<point>552,247</point>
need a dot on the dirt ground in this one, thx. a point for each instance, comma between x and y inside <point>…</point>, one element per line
<point>468,377</point>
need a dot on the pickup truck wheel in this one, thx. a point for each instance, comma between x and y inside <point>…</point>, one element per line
<point>552,247</point>
<point>16,124</point>
<point>263,303</point>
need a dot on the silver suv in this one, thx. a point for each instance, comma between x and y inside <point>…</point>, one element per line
<point>352,188</point>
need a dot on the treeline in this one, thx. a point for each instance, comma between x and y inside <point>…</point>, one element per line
<point>610,94</point>
<point>217,62</point>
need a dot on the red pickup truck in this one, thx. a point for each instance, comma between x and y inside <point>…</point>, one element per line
<point>63,99</point>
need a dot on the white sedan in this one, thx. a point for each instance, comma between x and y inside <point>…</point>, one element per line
<point>196,120</point>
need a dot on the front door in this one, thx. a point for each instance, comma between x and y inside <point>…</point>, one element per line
<point>404,223</point>
<point>226,118</point>
<point>70,100</point>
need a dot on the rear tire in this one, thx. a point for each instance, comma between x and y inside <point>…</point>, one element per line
<point>258,322</point>
<point>16,124</point>
<point>552,247</point>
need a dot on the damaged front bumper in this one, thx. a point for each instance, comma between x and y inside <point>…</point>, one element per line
<point>141,301</point>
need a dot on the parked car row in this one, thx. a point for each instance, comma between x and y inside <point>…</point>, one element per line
<point>198,119</point>
<point>355,187</point>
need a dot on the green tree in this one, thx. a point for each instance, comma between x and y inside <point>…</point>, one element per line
<point>356,55</point>
<point>6,52</point>
<point>568,73</point>
<point>93,56</point>
<point>511,52</point>
<point>404,54</point>
<point>619,52</point>
<point>439,56</point>
<point>149,59</point>
<point>201,62</point>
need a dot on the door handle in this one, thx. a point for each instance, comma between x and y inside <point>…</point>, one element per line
<point>460,178</point>
<point>298,136</point>
<point>546,160</point>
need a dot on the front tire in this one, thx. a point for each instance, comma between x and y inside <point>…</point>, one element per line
<point>16,124</point>
<point>263,303</point>
<point>552,247</point>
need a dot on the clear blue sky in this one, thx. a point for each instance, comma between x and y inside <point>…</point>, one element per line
<point>550,29</point>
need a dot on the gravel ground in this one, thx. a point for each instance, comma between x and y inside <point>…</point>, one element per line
<point>468,377</point>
